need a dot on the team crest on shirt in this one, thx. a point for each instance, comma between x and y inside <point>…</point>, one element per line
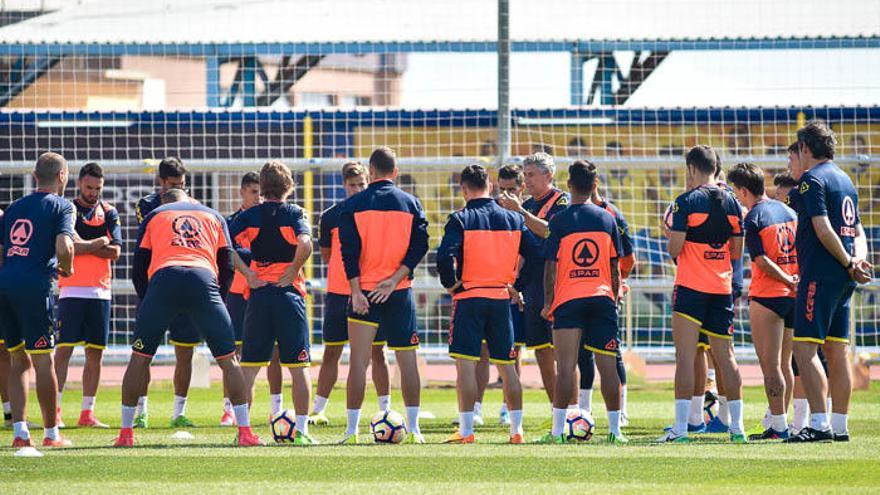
<point>562,201</point>
<point>187,231</point>
<point>19,235</point>
<point>804,187</point>
<point>138,344</point>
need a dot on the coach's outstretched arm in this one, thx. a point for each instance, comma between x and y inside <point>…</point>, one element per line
<point>449,254</point>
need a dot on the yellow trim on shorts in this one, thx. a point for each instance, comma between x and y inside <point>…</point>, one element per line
<point>703,345</point>
<point>715,335</point>
<point>808,339</point>
<point>70,344</point>
<point>335,344</point>
<point>363,322</point>
<point>37,351</point>
<point>96,346</point>
<point>239,342</point>
<point>2,342</point>
<point>15,348</point>
<point>182,344</point>
<point>248,364</point>
<point>837,339</point>
<point>379,343</point>
<point>463,356</point>
<point>502,361</point>
<point>600,351</point>
<point>539,347</point>
<point>688,317</point>
<point>296,365</point>
<point>519,344</point>
<point>406,348</point>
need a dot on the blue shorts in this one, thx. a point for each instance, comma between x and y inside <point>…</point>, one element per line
<point>519,326</point>
<point>83,321</point>
<point>395,319</point>
<point>822,312</point>
<point>538,331</point>
<point>782,306</point>
<point>177,292</point>
<point>183,332</point>
<point>479,319</point>
<point>713,312</point>
<point>335,330</point>
<point>236,304</point>
<point>596,317</point>
<point>276,315</point>
<point>27,317</point>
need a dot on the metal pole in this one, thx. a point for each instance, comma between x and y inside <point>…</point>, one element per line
<point>503,80</point>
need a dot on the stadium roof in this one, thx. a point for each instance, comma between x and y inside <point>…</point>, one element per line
<point>425,22</point>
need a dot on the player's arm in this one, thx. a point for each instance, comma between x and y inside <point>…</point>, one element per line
<point>615,278</point>
<point>449,254</point>
<point>616,251</point>
<point>113,249</point>
<point>325,238</point>
<point>513,203</point>
<point>64,235</point>
<point>81,246</point>
<point>418,247</point>
<point>350,246</point>
<point>225,269</point>
<point>551,251</point>
<point>628,257</point>
<point>239,236</point>
<point>141,262</point>
<point>678,231</point>
<point>301,255</point>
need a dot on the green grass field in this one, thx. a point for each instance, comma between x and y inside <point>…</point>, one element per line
<point>209,464</point>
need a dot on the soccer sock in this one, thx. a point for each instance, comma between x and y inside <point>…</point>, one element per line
<point>682,408</point>
<point>623,399</point>
<point>765,421</point>
<point>723,410</point>
<point>412,419</point>
<point>710,376</point>
<point>838,423</point>
<point>827,408</point>
<point>558,421</point>
<point>179,407</point>
<point>142,405</point>
<point>320,404</point>
<point>614,422</point>
<point>277,402</point>
<point>227,405</point>
<point>88,403</point>
<point>819,421</point>
<point>736,416</point>
<point>384,402</point>
<point>585,399</point>
<point>58,398</point>
<point>801,414</point>
<point>51,433</point>
<point>466,423</point>
<point>128,414</point>
<point>504,408</point>
<point>353,416</point>
<point>302,423</point>
<point>242,417</point>
<point>695,413</point>
<point>778,422</point>
<point>478,409</point>
<point>20,430</point>
<point>516,417</point>
<point>7,408</point>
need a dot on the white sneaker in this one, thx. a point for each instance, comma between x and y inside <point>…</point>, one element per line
<point>478,420</point>
<point>670,437</point>
<point>624,420</point>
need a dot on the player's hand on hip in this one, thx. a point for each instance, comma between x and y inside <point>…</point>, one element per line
<point>286,279</point>
<point>382,291</point>
<point>545,312</point>
<point>359,303</point>
<point>254,282</point>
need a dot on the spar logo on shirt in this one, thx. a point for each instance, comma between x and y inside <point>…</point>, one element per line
<point>187,231</point>
<point>585,254</point>
<point>848,214</point>
<point>21,232</point>
<point>785,241</point>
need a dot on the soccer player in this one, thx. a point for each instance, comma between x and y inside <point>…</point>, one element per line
<point>477,261</point>
<point>183,335</point>
<point>183,265</point>
<point>545,202</point>
<point>586,361</point>
<point>581,287</point>
<point>354,180</point>
<point>83,313</point>
<point>770,228</point>
<point>236,304</point>
<point>784,183</point>
<point>706,233</point>
<point>4,371</point>
<point>37,237</point>
<point>831,248</point>
<point>280,239</point>
<point>383,235</point>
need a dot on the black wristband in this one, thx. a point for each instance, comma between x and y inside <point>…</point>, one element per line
<point>850,265</point>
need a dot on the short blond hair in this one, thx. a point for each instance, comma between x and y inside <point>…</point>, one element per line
<point>354,169</point>
<point>276,180</point>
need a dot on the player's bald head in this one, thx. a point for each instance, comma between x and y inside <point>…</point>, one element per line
<point>173,195</point>
<point>48,168</point>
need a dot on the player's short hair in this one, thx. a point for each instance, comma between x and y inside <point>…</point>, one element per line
<point>475,177</point>
<point>384,160</point>
<point>276,180</point>
<point>48,166</point>
<point>703,158</point>
<point>250,178</point>
<point>749,176</point>
<point>171,167</point>
<point>793,147</point>
<point>543,161</point>
<point>173,195</point>
<point>784,179</point>
<point>511,171</point>
<point>819,138</point>
<point>582,176</point>
<point>91,169</point>
<point>719,171</point>
<point>353,169</point>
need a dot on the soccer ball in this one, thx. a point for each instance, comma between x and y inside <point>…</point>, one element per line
<point>283,426</point>
<point>579,425</point>
<point>388,427</point>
